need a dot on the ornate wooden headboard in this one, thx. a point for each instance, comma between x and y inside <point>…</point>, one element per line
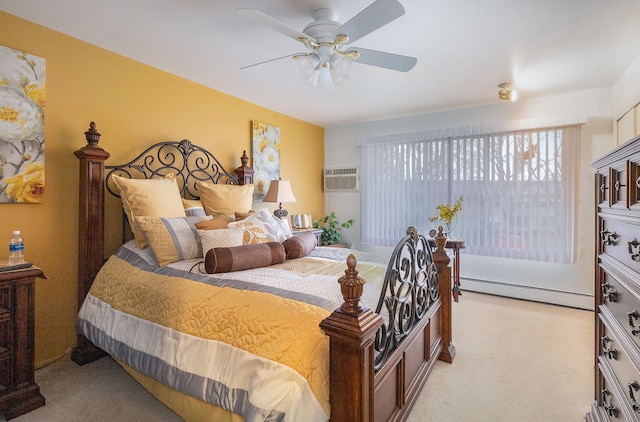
<point>189,162</point>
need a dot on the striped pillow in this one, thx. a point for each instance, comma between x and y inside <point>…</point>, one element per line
<point>193,207</point>
<point>172,239</point>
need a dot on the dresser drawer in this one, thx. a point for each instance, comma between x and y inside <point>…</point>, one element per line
<point>618,186</point>
<point>613,396</point>
<point>621,240</point>
<point>623,359</point>
<point>621,297</point>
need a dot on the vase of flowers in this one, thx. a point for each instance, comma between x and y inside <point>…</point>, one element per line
<point>446,216</point>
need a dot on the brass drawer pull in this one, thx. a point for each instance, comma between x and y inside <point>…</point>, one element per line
<point>603,187</point>
<point>611,410</point>
<point>638,182</point>
<point>633,315</point>
<point>606,351</point>
<point>634,250</point>
<point>609,293</point>
<point>608,238</point>
<point>633,387</point>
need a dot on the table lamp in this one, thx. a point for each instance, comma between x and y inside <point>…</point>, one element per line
<point>279,191</point>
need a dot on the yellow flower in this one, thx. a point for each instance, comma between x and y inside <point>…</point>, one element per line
<point>20,117</point>
<point>27,186</point>
<point>446,213</point>
<point>262,144</point>
<point>36,93</point>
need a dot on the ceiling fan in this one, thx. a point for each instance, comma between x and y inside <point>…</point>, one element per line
<point>329,58</point>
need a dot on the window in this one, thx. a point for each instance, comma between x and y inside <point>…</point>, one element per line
<point>518,189</point>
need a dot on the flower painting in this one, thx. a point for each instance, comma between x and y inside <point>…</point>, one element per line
<point>22,83</point>
<point>265,143</point>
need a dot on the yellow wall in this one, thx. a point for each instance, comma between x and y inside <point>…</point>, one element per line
<point>133,105</point>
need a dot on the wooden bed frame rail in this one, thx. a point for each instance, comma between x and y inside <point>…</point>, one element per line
<point>363,386</point>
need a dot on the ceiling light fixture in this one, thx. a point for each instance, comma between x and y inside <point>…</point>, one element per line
<point>328,63</point>
<point>327,66</point>
<point>506,92</point>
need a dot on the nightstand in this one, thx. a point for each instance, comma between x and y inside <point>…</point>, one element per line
<point>19,393</point>
<point>316,232</point>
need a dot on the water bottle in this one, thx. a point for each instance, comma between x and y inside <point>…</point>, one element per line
<point>16,248</point>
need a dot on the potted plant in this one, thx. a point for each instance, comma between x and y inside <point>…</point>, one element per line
<point>331,227</point>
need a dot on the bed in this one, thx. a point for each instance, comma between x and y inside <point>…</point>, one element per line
<point>222,333</point>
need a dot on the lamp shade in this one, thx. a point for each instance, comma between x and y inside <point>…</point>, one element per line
<point>279,191</point>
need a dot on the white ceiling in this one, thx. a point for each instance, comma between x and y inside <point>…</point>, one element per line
<point>464,48</point>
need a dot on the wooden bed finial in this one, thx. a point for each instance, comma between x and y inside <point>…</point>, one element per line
<point>92,135</point>
<point>244,172</point>
<point>440,239</point>
<point>351,285</point>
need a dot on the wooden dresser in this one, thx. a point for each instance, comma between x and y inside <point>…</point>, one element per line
<point>617,286</point>
<point>19,392</point>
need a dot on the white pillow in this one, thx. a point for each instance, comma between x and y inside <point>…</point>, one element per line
<point>284,225</point>
<point>264,220</point>
<point>220,238</point>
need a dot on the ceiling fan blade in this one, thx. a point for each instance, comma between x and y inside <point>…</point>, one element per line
<point>273,23</point>
<point>386,60</point>
<point>374,16</point>
<point>268,61</point>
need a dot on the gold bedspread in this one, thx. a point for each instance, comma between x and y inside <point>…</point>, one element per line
<point>277,328</point>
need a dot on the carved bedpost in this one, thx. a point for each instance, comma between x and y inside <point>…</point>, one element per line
<point>442,260</point>
<point>351,330</point>
<point>244,172</point>
<point>91,229</point>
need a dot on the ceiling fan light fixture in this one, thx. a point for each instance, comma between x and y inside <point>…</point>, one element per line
<point>340,67</point>
<point>327,71</point>
<point>506,92</point>
<point>308,63</point>
<point>327,38</point>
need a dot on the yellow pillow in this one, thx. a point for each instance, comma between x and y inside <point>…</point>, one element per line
<point>220,221</point>
<point>242,215</point>
<point>149,197</point>
<point>225,199</point>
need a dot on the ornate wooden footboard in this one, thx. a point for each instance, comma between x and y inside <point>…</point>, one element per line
<point>378,367</point>
<point>379,360</point>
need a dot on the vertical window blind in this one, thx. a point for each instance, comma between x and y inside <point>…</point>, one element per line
<point>518,189</point>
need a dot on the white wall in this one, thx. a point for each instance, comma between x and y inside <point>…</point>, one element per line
<point>626,92</point>
<point>570,284</point>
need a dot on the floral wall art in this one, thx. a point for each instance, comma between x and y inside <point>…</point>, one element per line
<point>22,88</point>
<point>265,143</point>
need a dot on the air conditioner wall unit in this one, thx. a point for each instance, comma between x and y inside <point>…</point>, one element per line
<point>341,179</point>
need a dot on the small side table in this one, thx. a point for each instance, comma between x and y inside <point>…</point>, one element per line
<point>316,232</point>
<point>455,245</point>
<point>19,393</point>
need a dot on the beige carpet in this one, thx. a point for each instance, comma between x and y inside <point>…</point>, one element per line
<point>516,361</point>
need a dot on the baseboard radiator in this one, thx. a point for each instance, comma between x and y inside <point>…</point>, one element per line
<point>536,294</point>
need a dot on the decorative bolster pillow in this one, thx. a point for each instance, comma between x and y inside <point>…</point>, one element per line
<point>300,245</point>
<point>245,257</point>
